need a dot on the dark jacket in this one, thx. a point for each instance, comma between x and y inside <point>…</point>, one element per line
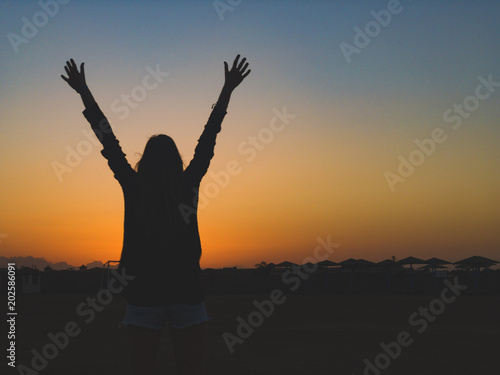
<point>166,272</point>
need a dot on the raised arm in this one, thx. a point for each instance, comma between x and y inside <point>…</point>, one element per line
<point>233,78</point>
<point>99,123</point>
<point>206,143</point>
<point>76,80</point>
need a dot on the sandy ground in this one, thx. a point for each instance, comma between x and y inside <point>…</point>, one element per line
<point>328,334</point>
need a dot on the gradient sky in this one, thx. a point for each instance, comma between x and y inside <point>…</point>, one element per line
<point>323,175</point>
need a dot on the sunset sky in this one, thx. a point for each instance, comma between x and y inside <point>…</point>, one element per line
<point>339,167</point>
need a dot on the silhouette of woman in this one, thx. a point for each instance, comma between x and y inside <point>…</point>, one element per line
<point>161,242</point>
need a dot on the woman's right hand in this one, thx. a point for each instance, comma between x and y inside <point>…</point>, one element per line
<point>75,78</point>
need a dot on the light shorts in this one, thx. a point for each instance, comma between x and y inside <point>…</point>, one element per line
<point>179,316</point>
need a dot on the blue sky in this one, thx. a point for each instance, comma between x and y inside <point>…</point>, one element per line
<point>353,119</point>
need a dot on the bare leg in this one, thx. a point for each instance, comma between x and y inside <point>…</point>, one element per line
<point>188,349</point>
<point>144,344</point>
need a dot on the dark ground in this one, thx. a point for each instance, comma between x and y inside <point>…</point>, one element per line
<point>320,334</point>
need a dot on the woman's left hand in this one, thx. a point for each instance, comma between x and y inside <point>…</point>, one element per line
<point>237,73</point>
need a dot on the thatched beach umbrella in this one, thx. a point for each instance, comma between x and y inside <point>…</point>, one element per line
<point>475,263</point>
<point>388,265</point>
<point>309,267</point>
<point>434,263</point>
<point>430,267</point>
<point>353,264</point>
<point>324,265</point>
<point>285,265</point>
<point>433,268</point>
<point>327,263</point>
<point>411,261</point>
<point>356,263</point>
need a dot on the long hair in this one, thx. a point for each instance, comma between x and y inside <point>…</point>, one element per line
<point>160,171</point>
